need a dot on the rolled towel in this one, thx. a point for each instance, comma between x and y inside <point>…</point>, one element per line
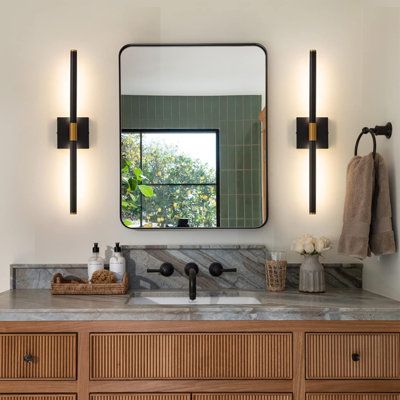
<point>360,181</point>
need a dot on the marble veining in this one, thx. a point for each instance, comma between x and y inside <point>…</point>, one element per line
<point>39,276</point>
<point>248,260</point>
<point>335,304</point>
<point>249,263</point>
<point>344,300</point>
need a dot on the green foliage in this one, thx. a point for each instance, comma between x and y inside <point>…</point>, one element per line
<point>146,190</point>
<point>164,205</point>
<point>132,185</point>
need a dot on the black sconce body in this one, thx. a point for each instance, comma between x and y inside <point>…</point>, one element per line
<point>302,141</point>
<point>312,133</point>
<point>73,133</point>
<point>63,133</point>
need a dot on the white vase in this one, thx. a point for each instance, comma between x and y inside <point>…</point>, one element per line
<point>312,276</point>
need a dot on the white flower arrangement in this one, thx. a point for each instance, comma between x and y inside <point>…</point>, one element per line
<point>310,245</point>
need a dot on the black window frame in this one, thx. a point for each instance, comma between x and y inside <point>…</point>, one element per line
<point>217,169</point>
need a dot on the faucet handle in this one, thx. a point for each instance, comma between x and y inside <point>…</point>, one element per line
<point>166,269</point>
<point>191,265</point>
<point>216,269</point>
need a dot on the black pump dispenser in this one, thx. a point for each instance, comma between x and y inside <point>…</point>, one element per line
<point>117,248</point>
<point>96,248</point>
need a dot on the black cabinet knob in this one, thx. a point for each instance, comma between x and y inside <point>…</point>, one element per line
<point>28,358</point>
<point>216,269</point>
<point>166,269</point>
<point>355,357</point>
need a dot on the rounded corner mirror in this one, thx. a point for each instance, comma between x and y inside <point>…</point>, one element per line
<point>193,136</point>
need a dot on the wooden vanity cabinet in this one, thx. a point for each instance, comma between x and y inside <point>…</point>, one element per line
<point>139,396</point>
<point>200,360</point>
<point>353,396</point>
<point>200,356</point>
<point>194,396</point>
<point>38,397</point>
<point>352,355</point>
<point>38,356</point>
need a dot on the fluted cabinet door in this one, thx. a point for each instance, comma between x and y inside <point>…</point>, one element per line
<point>242,396</point>
<point>352,355</point>
<point>38,356</point>
<point>353,396</point>
<point>37,397</point>
<point>139,396</point>
<point>200,396</point>
<point>191,356</point>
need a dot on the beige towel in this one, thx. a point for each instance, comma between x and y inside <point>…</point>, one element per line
<point>367,222</point>
<point>381,239</point>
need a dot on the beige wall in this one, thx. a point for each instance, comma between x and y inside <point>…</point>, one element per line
<point>35,40</point>
<point>381,102</point>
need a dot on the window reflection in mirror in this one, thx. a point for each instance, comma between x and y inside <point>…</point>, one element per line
<point>182,168</point>
<point>193,136</point>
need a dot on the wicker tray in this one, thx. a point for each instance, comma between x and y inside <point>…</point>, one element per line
<point>90,288</point>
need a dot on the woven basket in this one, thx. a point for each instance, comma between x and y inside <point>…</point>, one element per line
<point>90,288</point>
<point>275,275</point>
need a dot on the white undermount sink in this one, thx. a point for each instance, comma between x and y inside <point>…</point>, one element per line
<point>200,300</point>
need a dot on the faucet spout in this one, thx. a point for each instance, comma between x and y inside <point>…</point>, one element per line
<point>192,284</point>
<point>191,270</point>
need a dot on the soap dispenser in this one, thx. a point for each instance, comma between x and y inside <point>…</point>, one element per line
<point>117,263</point>
<point>96,262</point>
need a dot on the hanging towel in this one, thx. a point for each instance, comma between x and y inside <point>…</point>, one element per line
<point>367,223</point>
<point>354,240</point>
<point>381,240</point>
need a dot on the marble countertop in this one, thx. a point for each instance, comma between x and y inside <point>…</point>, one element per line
<point>336,304</point>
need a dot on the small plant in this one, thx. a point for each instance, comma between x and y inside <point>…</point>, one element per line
<point>308,245</point>
<point>132,186</point>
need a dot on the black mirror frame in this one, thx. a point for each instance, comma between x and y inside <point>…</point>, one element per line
<point>120,128</point>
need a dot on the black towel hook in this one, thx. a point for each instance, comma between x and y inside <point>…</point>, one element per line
<point>379,130</point>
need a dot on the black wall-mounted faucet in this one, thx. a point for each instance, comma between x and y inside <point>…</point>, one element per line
<point>216,269</point>
<point>191,270</point>
<point>166,269</point>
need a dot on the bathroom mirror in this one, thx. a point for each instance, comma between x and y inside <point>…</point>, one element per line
<point>193,136</point>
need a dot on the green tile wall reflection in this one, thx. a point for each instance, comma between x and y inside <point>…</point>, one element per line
<point>236,117</point>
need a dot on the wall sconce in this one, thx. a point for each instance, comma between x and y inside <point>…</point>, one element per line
<point>312,133</point>
<point>73,133</point>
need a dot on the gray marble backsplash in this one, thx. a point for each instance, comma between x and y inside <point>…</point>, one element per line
<point>249,261</point>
